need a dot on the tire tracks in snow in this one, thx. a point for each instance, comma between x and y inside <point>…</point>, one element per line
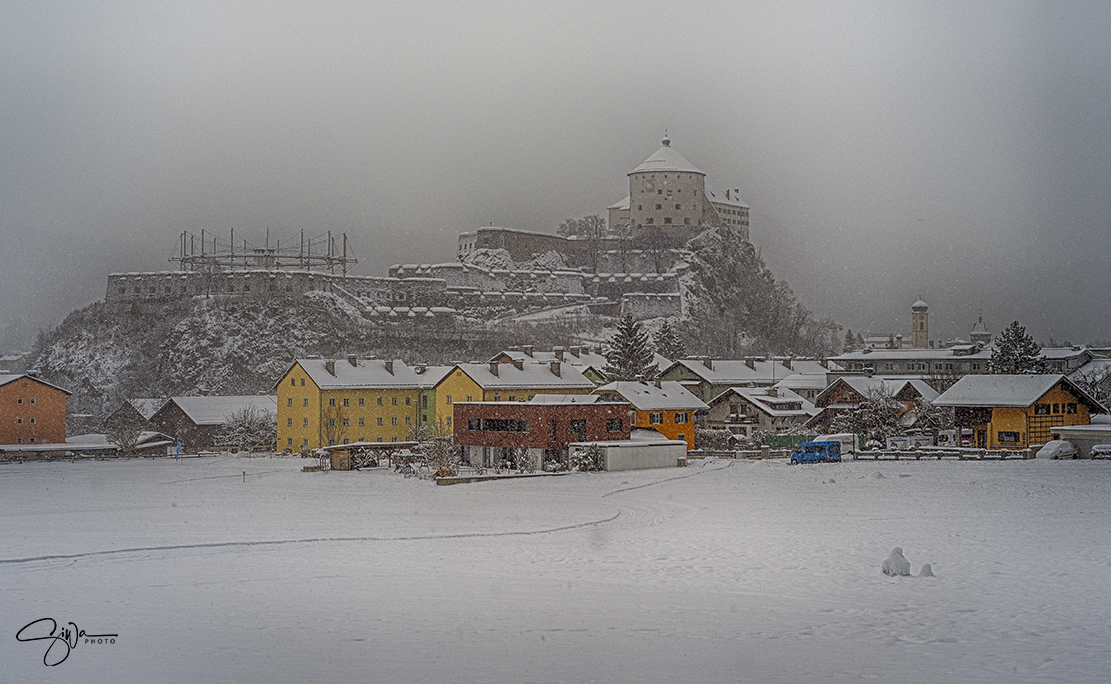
<point>309,540</point>
<point>703,471</point>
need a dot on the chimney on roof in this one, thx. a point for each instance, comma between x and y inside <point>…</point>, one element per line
<point>787,362</point>
<point>554,366</point>
<point>353,359</point>
<point>527,349</point>
<point>824,362</point>
<point>575,350</point>
<point>773,392</point>
<point>558,351</point>
<point>727,193</point>
<point>708,362</point>
<point>659,385</point>
<point>389,367</point>
<point>330,366</point>
<point>420,368</point>
<point>494,368</point>
<point>750,361</point>
<point>519,364</point>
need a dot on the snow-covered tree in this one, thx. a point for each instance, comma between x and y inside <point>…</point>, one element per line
<point>124,433</point>
<point>1096,381</point>
<point>850,341</point>
<point>590,458</point>
<point>248,428</point>
<point>880,412</point>
<point>334,422</point>
<point>668,343</point>
<point>1016,353</point>
<point>628,356</point>
<point>932,419</point>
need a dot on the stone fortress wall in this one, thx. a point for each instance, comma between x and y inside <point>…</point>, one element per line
<point>426,289</point>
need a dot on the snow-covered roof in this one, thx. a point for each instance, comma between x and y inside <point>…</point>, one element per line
<point>862,385</point>
<point>582,361</point>
<point>728,197</point>
<point>432,375</point>
<point>774,406</point>
<point>550,399</point>
<point>1006,390</point>
<point>807,381</point>
<point>666,159</point>
<point>911,354</point>
<point>147,407</point>
<point>623,204</point>
<point>1094,370</point>
<point>646,396</point>
<point>528,376</point>
<point>6,378</point>
<point>764,371</point>
<point>215,410</point>
<point>365,374</point>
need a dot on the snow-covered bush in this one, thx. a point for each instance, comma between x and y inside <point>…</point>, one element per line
<point>590,458</point>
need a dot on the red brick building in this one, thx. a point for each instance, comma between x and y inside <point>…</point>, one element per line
<point>489,431</point>
<point>31,411</point>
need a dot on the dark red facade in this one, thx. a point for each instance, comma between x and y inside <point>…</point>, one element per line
<point>538,426</point>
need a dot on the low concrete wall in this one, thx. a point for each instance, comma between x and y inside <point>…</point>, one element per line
<point>635,455</point>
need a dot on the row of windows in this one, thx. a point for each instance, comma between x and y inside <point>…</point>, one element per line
<point>346,421</point>
<point>658,418</point>
<point>651,220</point>
<point>1044,409</point>
<point>331,442</point>
<point>640,207</point>
<point>19,400</point>
<point>19,440</point>
<point>19,421</point>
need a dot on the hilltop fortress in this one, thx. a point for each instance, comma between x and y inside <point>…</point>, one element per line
<point>623,274</point>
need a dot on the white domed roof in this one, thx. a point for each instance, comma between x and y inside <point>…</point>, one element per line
<point>666,159</point>
<point>919,306</point>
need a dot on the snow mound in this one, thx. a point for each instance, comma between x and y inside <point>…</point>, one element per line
<point>926,571</point>
<point>896,564</point>
<point>878,476</point>
<point>1057,448</point>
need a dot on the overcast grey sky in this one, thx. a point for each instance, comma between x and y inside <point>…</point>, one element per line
<point>960,151</point>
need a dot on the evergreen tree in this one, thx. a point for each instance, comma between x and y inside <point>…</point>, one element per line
<point>629,357</point>
<point>1016,353</point>
<point>850,341</point>
<point>668,343</point>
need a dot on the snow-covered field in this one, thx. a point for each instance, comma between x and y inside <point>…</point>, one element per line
<point>719,572</point>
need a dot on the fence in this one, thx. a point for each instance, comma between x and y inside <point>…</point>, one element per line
<point>938,454</point>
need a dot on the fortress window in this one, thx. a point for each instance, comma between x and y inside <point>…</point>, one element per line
<point>678,206</point>
<point>152,289</point>
<point>659,206</point>
<point>667,219</point>
<point>123,290</point>
<point>660,191</point>
<point>686,222</point>
<point>649,220</point>
<point>640,207</point>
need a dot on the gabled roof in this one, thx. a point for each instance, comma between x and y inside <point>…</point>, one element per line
<point>862,385</point>
<point>432,375</point>
<point>645,396</point>
<point>147,407</point>
<point>528,376</point>
<point>215,410</point>
<point>583,361</point>
<point>549,399</point>
<point>365,374</point>
<point>666,159</point>
<point>725,197</point>
<point>6,378</point>
<point>759,398</point>
<point>1019,391</point>
<point>807,381</point>
<point>623,204</point>
<point>735,372</point>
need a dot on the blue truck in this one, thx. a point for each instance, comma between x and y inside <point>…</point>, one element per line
<point>817,452</point>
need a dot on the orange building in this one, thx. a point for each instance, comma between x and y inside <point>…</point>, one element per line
<point>31,411</point>
<point>666,406</point>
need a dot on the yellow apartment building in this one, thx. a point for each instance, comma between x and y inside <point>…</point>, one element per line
<point>512,381</point>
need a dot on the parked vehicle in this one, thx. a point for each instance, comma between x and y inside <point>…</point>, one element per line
<point>817,452</point>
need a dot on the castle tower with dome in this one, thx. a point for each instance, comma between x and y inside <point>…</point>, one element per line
<point>667,191</point>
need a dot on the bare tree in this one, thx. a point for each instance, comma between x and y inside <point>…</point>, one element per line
<point>124,433</point>
<point>590,229</point>
<point>334,422</point>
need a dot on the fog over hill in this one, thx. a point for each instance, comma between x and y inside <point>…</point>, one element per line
<point>956,152</point>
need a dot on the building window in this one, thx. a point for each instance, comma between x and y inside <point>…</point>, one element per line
<point>346,441</point>
<point>474,424</point>
<point>447,399</point>
<point>649,220</point>
<point>1056,408</point>
<point>448,419</point>
<point>289,422</point>
<point>306,403</point>
<point>346,401</point>
<point>362,401</point>
<point>332,401</point>
<point>19,400</point>
<point>1008,437</point>
<point>379,423</point>
<point>289,401</point>
<point>32,421</point>
<point>497,397</point>
<point>289,441</point>
<point>302,382</point>
<point>678,206</point>
<point>513,397</point>
<point>304,442</point>
<point>468,398</point>
<point>408,401</point>
<point>1070,408</point>
<point>408,420</point>
<point>293,382</point>
<point>655,419</point>
<point>304,422</point>
<point>394,401</point>
<point>362,421</point>
<point>659,206</point>
<point>393,421</point>
<point>424,401</point>
<point>32,440</point>
<point>554,428</point>
<point>1041,409</point>
<point>19,421</point>
<point>612,425</point>
<point>667,219</point>
<point>346,422</point>
<point>680,418</point>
